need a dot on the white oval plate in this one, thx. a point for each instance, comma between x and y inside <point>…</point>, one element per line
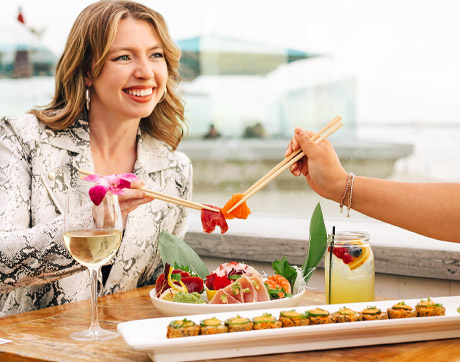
<point>178,309</point>
<point>149,335</point>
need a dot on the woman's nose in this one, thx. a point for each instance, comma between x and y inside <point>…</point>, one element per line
<point>144,69</point>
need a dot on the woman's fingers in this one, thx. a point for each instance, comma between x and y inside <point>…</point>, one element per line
<point>131,204</point>
<point>292,147</point>
<point>137,184</point>
<point>301,166</point>
<point>133,197</point>
<point>303,139</point>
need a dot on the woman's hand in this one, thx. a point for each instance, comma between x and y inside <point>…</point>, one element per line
<point>132,198</point>
<point>320,165</point>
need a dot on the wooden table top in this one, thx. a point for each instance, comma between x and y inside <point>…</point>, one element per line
<point>43,336</point>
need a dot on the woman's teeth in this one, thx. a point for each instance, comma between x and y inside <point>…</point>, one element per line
<point>140,92</point>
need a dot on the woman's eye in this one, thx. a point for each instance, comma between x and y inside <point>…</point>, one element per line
<point>122,57</point>
<point>157,55</point>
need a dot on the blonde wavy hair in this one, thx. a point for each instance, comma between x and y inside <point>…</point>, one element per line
<point>88,43</point>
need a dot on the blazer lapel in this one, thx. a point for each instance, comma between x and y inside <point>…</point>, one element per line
<point>69,150</point>
<point>152,155</point>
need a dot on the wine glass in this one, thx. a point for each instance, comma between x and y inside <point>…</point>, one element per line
<point>92,235</point>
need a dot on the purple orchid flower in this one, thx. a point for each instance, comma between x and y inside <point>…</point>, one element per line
<point>112,183</point>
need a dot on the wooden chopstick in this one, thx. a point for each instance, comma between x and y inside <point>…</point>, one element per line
<point>165,197</point>
<point>334,125</point>
<point>291,156</point>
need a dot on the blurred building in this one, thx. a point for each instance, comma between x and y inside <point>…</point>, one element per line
<point>22,54</point>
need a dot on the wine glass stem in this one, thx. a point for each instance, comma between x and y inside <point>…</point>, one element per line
<point>93,274</point>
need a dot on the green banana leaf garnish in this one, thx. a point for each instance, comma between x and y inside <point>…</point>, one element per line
<point>175,251</point>
<point>318,243</point>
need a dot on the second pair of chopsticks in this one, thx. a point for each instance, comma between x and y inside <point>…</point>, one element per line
<point>318,137</point>
<point>166,198</point>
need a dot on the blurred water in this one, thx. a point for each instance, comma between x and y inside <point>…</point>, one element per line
<point>436,155</point>
<point>18,96</point>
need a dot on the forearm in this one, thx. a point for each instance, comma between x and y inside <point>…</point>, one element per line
<point>33,256</point>
<point>430,209</point>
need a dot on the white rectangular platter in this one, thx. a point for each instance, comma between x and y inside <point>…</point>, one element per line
<point>149,335</point>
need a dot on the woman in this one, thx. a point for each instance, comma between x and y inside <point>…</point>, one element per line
<point>114,111</point>
<point>430,209</point>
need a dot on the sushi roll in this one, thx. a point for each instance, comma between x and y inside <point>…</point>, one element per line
<point>320,316</point>
<point>239,324</point>
<point>291,318</point>
<point>346,315</point>
<point>266,321</point>
<point>212,326</point>
<point>373,314</point>
<point>182,328</point>
<point>401,310</point>
<point>428,308</point>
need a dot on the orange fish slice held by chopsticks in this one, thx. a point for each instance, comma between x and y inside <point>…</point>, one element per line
<point>241,212</point>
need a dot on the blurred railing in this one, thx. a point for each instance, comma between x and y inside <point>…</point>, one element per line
<point>238,163</point>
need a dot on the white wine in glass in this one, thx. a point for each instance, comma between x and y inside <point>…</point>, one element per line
<point>92,235</point>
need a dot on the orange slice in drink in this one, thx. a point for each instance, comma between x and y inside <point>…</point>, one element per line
<point>360,260</point>
<point>356,242</point>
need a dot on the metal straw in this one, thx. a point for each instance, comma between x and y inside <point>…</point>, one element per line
<point>330,263</point>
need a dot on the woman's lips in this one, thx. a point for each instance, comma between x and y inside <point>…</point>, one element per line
<point>140,95</point>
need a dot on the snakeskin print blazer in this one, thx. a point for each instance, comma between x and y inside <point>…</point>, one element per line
<point>37,165</point>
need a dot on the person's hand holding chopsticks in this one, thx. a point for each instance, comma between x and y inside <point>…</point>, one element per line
<point>427,208</point>
<point>132,198</point>
<point>320,165</point>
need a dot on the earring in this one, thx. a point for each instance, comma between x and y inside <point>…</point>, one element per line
<point>164,96</point>
<point>88,99</point>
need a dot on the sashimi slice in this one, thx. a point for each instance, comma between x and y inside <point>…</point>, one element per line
<point>261,291</point>
<point>235,290</point>
<point>241,212</point>
<point>222,297</point>
<point>211,219</point>
<point>249,292</point>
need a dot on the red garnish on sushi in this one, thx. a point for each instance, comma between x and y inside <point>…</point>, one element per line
<point>211,219</point>
<point>241,212</point>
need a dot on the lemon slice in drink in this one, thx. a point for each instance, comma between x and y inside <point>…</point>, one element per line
<point>360,260</point>
<point>168,294</point>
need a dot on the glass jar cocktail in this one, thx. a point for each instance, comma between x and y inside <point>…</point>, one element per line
<point>349,269</point>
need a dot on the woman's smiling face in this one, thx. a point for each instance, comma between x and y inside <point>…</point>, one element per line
<point>134,76</point>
